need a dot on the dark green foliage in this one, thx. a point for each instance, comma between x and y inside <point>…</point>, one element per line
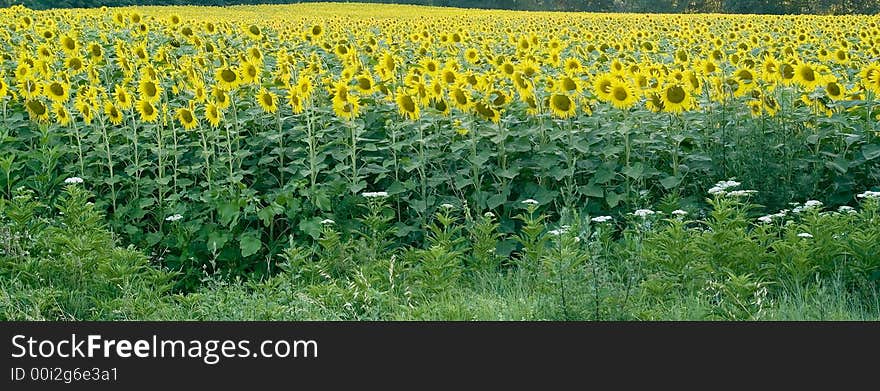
<point>654,6</point>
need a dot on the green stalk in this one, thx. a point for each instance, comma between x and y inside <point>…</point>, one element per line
<point>106,140</point>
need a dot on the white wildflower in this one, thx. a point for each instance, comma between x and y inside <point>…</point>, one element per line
<point>812,204</point>
<point>643,213</point>
<point>869,194</point>
<point>174,217</point>
<point>73,180</point>
<point>489,215</point>
<point>804,235</point>
<point>530,202</point>
<point>327,221</point>
<point>716,190</point>
<point>766,219</point>
<point>846,209</point>
<point>375,194</point>
<point>601,219</point>
<point>679,212</point>
<point>447,206</point>
<point>741,193</point>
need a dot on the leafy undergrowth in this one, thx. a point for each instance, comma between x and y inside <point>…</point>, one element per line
<point>60,262</point>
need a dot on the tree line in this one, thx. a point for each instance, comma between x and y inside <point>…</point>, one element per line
<point>653,6</point>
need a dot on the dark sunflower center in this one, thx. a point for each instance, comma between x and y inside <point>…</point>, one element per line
<point>620,94</point>
<point>227,75</point>
<point>37,107</point>
<point>675,94</point>
<point>561,102</point>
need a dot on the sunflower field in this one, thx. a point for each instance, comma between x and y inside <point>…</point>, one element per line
<point>224,139</point>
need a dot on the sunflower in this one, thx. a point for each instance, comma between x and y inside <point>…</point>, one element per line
<point>562,106</point>
<point>113,113</point>
<point>254,32</point>
<point>676,98</point>
<point>57,91</point>
<point>460,99</point>
<point>213,114</point>
<point>62,116</point>
<point>227,78</point>
<point>4,88</point>
<point>123,99</point>
<point>834,90</point>
<point>807,76</point>
<point>653,101</point>
<point>147,110</point>
<point>487,112</point>
<point>622,94</point>
<point>74,64</point>
<point>347,109</point>
<point>149,90</point>
<point>249,72</point>
<point>602,86</point>
<point>364,84</point>
<point>407,105</point>
<point>187,117</point>
<point>29,88</point>
<point>267,101</point>
<point>38,110</point>
<point>221,97</point>
<point>787,73</point>
<point>295,101</point>
<point>85,110</point>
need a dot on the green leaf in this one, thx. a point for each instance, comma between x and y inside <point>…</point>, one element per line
<point>250,243</point>
<point>670,182</point>
<point>635,171</point>
<point>871,151</point>
<point>217,239</point>
<point>311,227</point>
<point>495,200</point>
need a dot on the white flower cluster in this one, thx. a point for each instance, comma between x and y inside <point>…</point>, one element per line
<point>174,217</point>
<point>559,231</point>
<point>809,205</point>
<point>530,202</point>
<point>643,213</point>
<point>447,206</point>
<point>720,188</point>
<point>679,212</point>
<point>601,219</point>
<point>327,221</point>
<point>769,218</point>
<point>375,194</point>
<point>846,209</point>
<point>73,180</point>
<point>869,194</point>
<point>805,235</point>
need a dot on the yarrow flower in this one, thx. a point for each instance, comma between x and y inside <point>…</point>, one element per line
<point>530,202</point>
<point>766,219</point>
<point>813,204</point>
<point>327,221</point>
<point>679,212</point>
<point>560,231</point>
<point>489,215</point>
<point>804,235</point>
<point>375,194</point>
<point>73,180</point>
<point>741,193</point>
<point>601,219</point>
<point>643,213</point>
<point>721,187</point>
<point>447,206</point>
<point>846,209</point>
<point>174,217</point>
<point>869,194</point>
